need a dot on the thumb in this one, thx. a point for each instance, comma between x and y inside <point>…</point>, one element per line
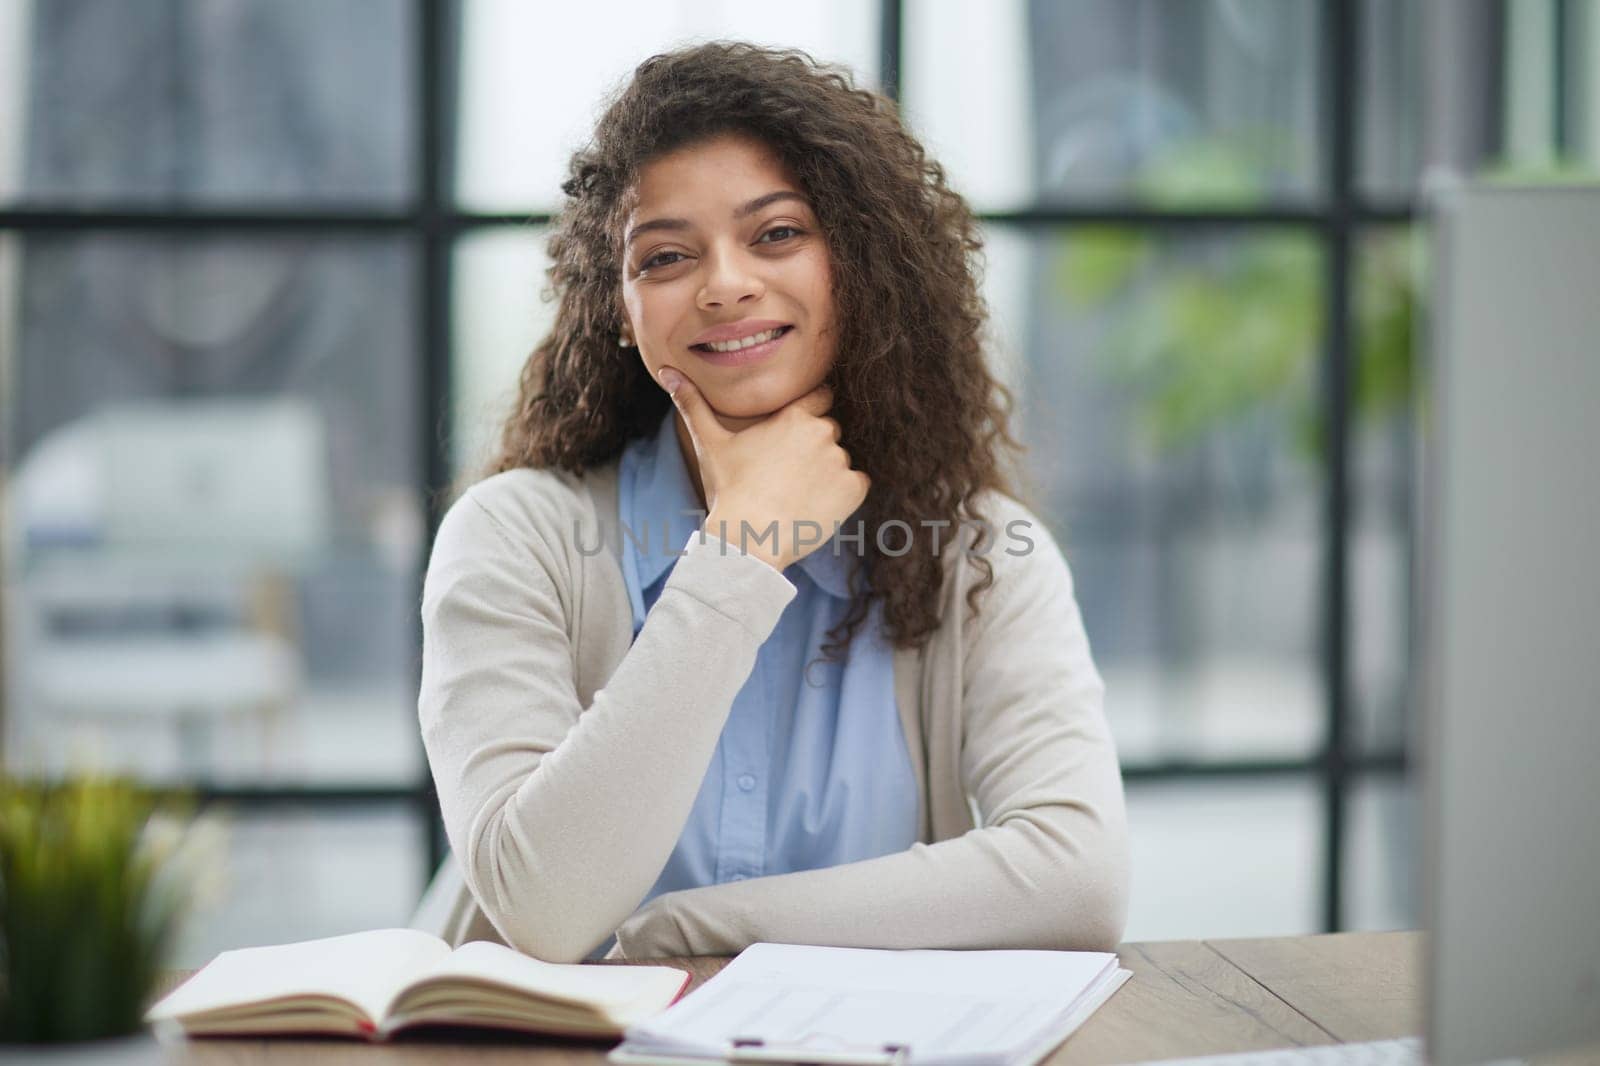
<point>697,414</point>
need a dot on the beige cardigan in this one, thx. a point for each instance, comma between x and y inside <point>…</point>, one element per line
<point>567,761</point>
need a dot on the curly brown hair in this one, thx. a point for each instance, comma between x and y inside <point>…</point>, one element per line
<point>918,409</point>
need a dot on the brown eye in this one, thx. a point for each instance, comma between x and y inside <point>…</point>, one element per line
<point>659,260</point>
<point>789,231</point>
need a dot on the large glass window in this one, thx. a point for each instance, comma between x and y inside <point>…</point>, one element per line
<point>289,103</point>
<point>1118,101</point>
<point>306,872</point>
<point>269,270</point>
<point>214,519</point>
<point>534,76</point>
<point>498,317</point>
<point>1235,858</point>
<point>212,431</point>
<point>1387,383</point>
<point>1169,407</point>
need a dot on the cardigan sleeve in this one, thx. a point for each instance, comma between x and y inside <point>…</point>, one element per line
<point>1046,868</point>
<point>561,815</point>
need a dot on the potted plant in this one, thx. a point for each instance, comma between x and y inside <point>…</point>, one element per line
<point>95,874</point>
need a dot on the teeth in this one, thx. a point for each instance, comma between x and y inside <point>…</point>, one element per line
<point>745,342</point>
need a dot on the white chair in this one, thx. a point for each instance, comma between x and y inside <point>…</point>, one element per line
<point>441,899</point>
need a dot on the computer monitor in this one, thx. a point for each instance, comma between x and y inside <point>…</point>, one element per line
<point>1510,624</point>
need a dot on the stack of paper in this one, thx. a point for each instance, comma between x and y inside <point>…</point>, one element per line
<point>794,1003</point>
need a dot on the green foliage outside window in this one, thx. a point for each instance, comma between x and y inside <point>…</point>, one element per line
<point>1225,329</point>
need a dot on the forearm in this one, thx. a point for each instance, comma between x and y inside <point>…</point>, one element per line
<point>1053,878</point>
<point>570,851</point>
<point>563,820</point>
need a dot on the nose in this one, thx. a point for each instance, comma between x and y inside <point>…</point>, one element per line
<point>730,279</point>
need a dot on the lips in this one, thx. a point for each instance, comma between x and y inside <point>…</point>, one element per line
<point>748,354</point>
<point>751,341</point>
<point>733,331</point>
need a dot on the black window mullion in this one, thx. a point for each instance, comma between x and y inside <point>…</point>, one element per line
<point>452,223</point>
<point>891,26</point>
<point>187,220</point>
<point>436,38</point>
<point>1560,112</point>
<point>1339,58</point>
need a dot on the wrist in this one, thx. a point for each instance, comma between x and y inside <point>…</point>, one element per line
<point>748,537</point>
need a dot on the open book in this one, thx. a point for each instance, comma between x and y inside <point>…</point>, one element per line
<point>372,984</point>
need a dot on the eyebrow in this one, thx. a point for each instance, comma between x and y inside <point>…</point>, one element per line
<point>743,212</point>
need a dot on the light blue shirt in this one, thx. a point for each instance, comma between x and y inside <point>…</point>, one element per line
<point>812,768</point>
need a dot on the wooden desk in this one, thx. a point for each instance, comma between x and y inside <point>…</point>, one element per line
<point>1190,997</point>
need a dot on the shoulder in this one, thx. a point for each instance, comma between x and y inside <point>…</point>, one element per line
<point>1010,535</point>
<point>526,510</point>
<point>1008,516</point>
<point>525,501</point>
<point>1005,565</point>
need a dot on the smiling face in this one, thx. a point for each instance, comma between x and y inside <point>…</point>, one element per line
<point>723,246</point>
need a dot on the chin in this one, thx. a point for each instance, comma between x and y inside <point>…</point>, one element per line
<point>753,400</point>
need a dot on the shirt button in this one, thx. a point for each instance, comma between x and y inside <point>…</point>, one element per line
<point>736,877</point>
<point>747,782</point>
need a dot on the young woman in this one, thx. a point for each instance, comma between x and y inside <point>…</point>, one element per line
<point>747,638</point>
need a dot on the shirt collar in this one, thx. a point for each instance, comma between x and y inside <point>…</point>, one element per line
<point>663,492</point>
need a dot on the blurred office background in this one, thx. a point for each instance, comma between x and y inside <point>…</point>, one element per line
<point>268,269</point>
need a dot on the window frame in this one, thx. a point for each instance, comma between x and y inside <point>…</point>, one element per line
<point>1337,222</point>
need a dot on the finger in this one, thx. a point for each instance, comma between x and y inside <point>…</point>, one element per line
<point>697,414</point>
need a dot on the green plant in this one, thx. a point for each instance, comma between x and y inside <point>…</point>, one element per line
<point>92,885</point>
<point>1223,333</point>
<point>1214,332</point>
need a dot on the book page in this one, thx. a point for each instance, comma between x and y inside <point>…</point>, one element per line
<point>361,968</point>
<point>605,988</point>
